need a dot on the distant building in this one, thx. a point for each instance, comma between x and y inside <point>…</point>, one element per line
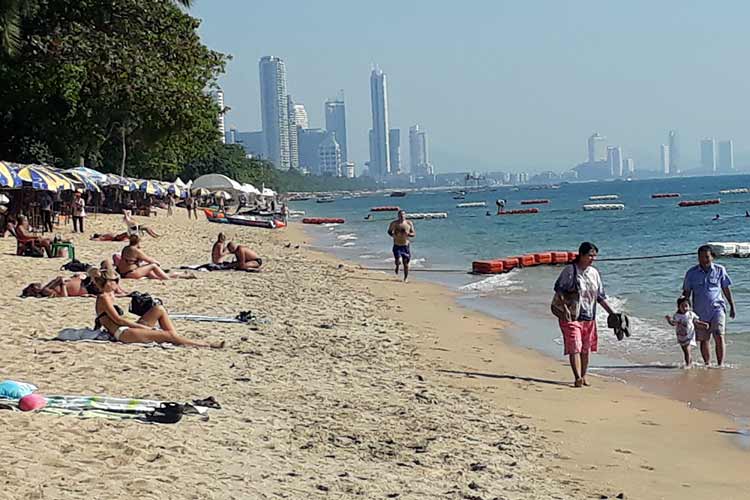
<point>309,140</point>
<point>218,96</point>
<point>274,110</point>
<point>293,138</point>
<point>674,152</point>
<point>664,159</point>
<point>380,164</point>
<point>230,136</point>
<point>629,166</point>
<point>253,142</point>
<point>335,112</point>
<point>726,156</point>
<point>330,156</point>
<point>394,150</point>
<point>708,155</point>
<point>300,116</point>
<point>349,170</point>
<point>419,159</point>
<point>614,161</point>
<point>597,148</point>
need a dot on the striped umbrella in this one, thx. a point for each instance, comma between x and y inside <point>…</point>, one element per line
<point>176,190</point>
<point>125,183</point>
<point>8,176</point>
<point>63,183</point>
<point>39,178</point>
<point>88,183</point>
<point>90,173</point>
<point>150,187</point>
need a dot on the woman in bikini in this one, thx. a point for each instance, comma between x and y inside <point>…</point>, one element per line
<point>78,285</point>
<point>134,264</point>
<point>154,326</point>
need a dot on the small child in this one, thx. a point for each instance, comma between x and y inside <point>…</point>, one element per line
<point>685,321</point>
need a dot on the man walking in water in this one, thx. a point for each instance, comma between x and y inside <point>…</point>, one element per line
<point>706,282</point>
<point>401,230</point>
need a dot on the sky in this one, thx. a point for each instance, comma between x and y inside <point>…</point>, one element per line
<point>501,85</point>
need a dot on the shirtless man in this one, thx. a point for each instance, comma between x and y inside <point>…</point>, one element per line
<point>401,230</point>
<point>247,260</point>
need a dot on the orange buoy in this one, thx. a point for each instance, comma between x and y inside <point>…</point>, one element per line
<point>665,195</point>
<point>385,209</point>
<point>572,256</point>
<point>510,263</point>
<point>534,202</point>
<point>698,203</point>
<point>487,266</point>
<point>543,258</point>
<point>519,212</point>
<point>559,257</point>
<point>322,220</point>
<point>527,260</point>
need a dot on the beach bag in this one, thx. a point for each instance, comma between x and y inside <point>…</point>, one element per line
<point>566,306</point>
<point>141,303</point>
<point>76,266</point>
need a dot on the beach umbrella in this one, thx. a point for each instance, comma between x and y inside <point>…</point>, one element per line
<point>8,176</point>
<point>268,192</point>
<point>40,178</point>
<point>176,190</point>
<point>179,183</point>
<point>123,182</point>
<point>223,194</point>
<point>90,173</point>
<point>201,192</point>
<point>150,187</point>
<point>87,182</point>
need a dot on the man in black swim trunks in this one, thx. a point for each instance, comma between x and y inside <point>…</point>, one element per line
<point>401,230</point>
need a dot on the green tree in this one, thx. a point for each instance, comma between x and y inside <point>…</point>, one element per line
<point>93,72</point>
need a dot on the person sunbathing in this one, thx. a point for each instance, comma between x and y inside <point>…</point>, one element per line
<point>78,285</point>
<point>154,326</point>
<point>247,260</point>
<point>24,236</point>
<point>135,264</point>
<point>109,237</point>
<point>135,228</point>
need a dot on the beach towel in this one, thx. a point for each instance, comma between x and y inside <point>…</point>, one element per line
<point>224,266</point>
<point>99,336</point>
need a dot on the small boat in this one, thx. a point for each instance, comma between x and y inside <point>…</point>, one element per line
<point>603,206</point>
<point>325,199</point>
<point>427,215</point>
<point>698,203</point>
<point>604,197</point>
<point>296,213</point>
<point>398,194</point>
<point>665,195</point>
<point>239,220</point>
<point>385,209</point>
<point>735,191</point>
<point>472,204</point>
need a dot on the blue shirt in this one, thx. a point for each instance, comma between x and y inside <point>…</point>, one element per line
<point>705,286</point>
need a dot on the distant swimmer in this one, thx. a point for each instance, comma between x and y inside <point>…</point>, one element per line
<point>401,230</point>
<point>747,214</point>
<point>500,205</point>
<point>716,217</point>
<point>369,217</point>
<point>488,214</point>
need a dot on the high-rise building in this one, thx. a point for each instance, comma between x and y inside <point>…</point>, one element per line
<point>335,112</point>
<point>394,150</point>
<point>219,97</point>
<point>253,142</point>
<point>293,138</point>
<point>597,148</point>
<point>349,171</point>
<point>726,156</point>
<point>274,110</point>
<point>300,116</point>
<point>330,156</point>
<point>231,136</point>
<point>614,161</point>
<point>674,152</point>
<point>309,142</point>
<point>380,163</point>
<point>419,159</point>
<point>708,155</point>
<point>630,166</point>
<point>664,159</point>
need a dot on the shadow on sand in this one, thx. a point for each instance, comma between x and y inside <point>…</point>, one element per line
<point>506,377</point>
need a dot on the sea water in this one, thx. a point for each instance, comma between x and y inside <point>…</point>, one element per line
<point>645,289</point>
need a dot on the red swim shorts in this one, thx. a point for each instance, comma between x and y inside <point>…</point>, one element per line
<point>579,336</point>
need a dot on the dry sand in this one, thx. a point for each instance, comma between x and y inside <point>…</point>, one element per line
<point>342,395</point>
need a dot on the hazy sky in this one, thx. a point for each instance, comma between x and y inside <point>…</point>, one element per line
<point>501,85</point>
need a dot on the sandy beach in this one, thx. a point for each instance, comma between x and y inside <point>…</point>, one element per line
<point>357,386</point>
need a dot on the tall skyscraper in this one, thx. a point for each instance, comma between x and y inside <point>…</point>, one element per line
<point>330,156</point>
<point>674,152</point>
<point>597,148</point>
<point>614,161</point>
<point>419,159</point>
<point>708,155</point>
<point>380,163</point>
<point>309,142</point>
<point>293,138</point>
<point>726,156</point>
<point>274,111</point>
<point>335,112</point>
<point>219,98</point>
<point>300,116</point>
<point>664,159</point>
<point>394,150</point>
<point>253,142</point>
<point>630,166</point>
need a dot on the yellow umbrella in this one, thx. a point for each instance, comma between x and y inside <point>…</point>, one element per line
<point>40,178</point>
<point>8,176</point>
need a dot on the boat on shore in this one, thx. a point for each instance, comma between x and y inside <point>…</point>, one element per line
<point>325,199</point>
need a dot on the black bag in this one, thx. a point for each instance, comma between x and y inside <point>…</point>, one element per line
<point>141,303</point>
<point>76,266</point>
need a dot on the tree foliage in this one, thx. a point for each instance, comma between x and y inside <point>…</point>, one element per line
<point>87,71</point>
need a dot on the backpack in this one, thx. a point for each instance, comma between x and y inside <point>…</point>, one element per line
<point>76,266</point>
<point>141,303</point>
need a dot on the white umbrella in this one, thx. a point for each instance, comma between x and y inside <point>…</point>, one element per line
<point>223,194</point>
<point>178,182</point>
<point>250,189</point>
<point>268,192</point>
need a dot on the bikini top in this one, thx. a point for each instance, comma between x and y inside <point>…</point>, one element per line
<point>97,321</point>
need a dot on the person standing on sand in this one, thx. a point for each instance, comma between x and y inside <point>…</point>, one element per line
<point>401,230</point>
<point>579,336</point>
<point>706,282</point>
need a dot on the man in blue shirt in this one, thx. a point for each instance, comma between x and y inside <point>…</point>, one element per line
<point>706,282</point>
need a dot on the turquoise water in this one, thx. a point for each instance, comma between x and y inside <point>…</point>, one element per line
<point>645,289</point>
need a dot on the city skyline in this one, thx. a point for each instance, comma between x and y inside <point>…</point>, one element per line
<point>521,102</point>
